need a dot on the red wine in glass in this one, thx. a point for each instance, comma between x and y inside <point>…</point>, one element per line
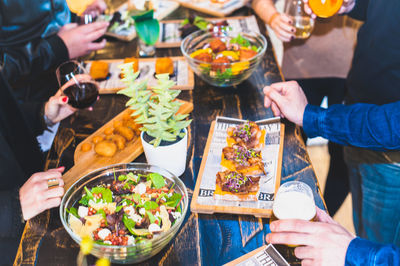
<point>82,95</point>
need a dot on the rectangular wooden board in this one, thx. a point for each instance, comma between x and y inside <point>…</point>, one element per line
<point>218,10</point>
<point>183,75</point>
<point>170,34</point>
<point>88,161</point>
<point>236,207</point>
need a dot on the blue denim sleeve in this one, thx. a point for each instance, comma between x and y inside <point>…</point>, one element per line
<point>361,125</point>
<point>359,11</point>
<point>365,252</point>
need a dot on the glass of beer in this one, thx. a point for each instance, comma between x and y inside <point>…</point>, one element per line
<point>302,21</point>
<point>294,200</point>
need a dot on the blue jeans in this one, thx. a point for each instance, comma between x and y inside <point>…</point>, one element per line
<point>375,187</point>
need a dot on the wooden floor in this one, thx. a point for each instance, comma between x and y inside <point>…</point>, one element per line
<point>320,160</point>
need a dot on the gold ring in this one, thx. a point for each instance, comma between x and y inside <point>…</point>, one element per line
<point>52,183</point>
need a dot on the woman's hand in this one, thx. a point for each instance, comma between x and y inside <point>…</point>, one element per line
<point>282,25</point>
<point>35,195</point>
<point>57,108</point>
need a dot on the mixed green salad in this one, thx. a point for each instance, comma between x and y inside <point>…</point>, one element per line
<point>126,211</point>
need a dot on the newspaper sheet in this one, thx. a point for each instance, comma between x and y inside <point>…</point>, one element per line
<point>270,155</point>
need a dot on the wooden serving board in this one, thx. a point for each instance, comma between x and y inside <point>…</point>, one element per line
<point>218,10</point>
<point>86,162</point>
<point>183,75</point>
<point>170,34</point>
<point>205,191</point>
<point>165,8</point>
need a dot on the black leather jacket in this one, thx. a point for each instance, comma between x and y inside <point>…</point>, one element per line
<point>28,40</point>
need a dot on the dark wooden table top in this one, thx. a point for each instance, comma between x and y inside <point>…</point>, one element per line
<point>203,239</point>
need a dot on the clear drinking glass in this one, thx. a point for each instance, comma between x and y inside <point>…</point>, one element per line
<point>146,50</point>
<point>303,22</point>
<point>75,83</point>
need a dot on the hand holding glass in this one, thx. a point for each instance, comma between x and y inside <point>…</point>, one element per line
<point>302,21</point>
<point>75,83</point>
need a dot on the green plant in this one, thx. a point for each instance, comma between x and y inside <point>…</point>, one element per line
<point>155,108</point>
<point>147,28</point>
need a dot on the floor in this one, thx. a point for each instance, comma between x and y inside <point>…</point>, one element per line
<point>320,160</point>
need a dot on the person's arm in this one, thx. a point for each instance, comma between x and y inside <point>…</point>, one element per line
<point>365,252</point>
<point>280,23</point>
<point>33,57</point>
<point>11,215</point>
<point>362,125</point>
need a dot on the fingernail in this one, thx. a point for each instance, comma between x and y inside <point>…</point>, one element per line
<point>293,30</point>
<point>290,22</point>
<point>272,227</point>
<point>292,38</point>
<point>60,167</point>
<point>64,99</point>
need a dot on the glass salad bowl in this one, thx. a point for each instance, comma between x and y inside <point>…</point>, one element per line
<point>142,248</point>
<point>224,58</point>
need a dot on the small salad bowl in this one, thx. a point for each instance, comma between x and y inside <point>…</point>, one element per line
<point>147,181</point>
<point>224,58</point>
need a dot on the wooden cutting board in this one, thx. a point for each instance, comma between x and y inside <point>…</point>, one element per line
<point>86,162</point>
<point>183,75</point>
<point>218,10</point>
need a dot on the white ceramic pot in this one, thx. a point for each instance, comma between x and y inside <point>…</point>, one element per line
<point>171,157</point>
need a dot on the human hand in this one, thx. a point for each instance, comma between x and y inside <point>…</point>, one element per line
<point>79,40</point>
<point>282,25</point>
<point>35,196</point>
<point>320,243</point>
<point>96,8</point>
<point>286,99</point>
<point>57,108</point>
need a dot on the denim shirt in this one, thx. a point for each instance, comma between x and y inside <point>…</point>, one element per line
<point>365,252</point>
<point>362,125</point>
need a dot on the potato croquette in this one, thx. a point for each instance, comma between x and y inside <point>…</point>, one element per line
<point>99,70</point>
<point>124,131</point>
<point>108,131</point>
<point>118,123</point>
<point>106,148</point>
<point>86,147</point>
<point>117,139</point>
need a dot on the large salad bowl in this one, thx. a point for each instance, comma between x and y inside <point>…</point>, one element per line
<point>128,253</point>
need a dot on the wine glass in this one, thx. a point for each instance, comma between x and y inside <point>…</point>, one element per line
<point>302,21</point>
<point>75,83</point>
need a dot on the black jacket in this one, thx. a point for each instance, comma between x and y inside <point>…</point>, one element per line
<point>20,157</point>
<point>29,44</point>
<point>375,73</point>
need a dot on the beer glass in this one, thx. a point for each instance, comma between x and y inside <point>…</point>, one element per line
<point>302,21</point>
<point>294,200</point>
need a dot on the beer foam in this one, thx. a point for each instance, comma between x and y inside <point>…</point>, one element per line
<point>294,205</point>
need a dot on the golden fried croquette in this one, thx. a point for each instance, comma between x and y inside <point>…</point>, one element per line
<point>86,147</point>
<point>97,139</point>
<point>108,131</point>
<point>106,148</point>
<point>117,139</point>
<point>217,45</point>
<point>99,70</point>
<point>164,65</point>
<point>124,131</point>
<point>118,123</point>
<point>134,126</point>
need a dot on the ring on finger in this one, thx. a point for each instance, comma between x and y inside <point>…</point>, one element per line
<point>52,183</point>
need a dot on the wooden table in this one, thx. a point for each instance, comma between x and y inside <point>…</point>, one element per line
<point>202,239</point>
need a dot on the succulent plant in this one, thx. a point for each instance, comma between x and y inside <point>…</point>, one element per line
<point>154,108</point>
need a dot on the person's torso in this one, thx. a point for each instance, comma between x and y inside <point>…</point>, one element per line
<point>375,73</point>
<point>24,20</point>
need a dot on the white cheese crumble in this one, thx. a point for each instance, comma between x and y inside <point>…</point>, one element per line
<point>163,198</point>
<point>157,214</point>
<point>107,242</point>
<point>131,240</point>
<point>142,211</point>
<point>83,211</point>
<point>176,215</point>
<point>129,210</point>
<point>140,188</point>
<point>103,233</point>
<point>136,218</point>
<point>154,228</point>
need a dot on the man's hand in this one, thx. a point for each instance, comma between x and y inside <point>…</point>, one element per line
<point>282,25</point>
<point>286,99</point>
<point>79,40</point>
<point>320,243</point>
<point>35,195</point>
<point>96,8</point>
